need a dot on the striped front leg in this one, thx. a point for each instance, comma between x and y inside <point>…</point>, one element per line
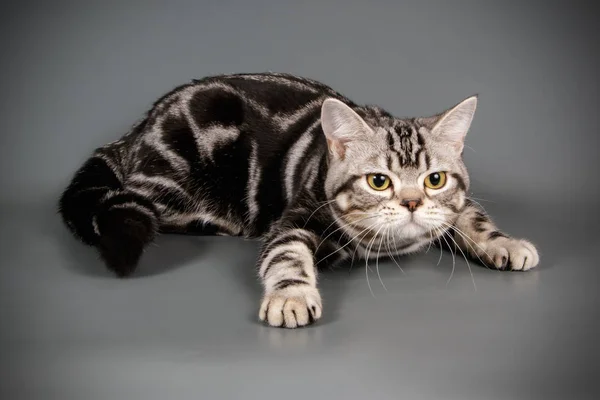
<point>287,269</point>
<point>480,238</point>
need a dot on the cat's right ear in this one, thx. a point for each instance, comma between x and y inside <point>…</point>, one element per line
<point>452,126</point>
<point>341,124</point>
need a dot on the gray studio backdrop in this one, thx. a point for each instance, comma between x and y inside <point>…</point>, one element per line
<point>75,75</point>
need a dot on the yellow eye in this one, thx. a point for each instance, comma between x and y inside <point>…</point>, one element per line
<point>437,180</point>
<point>378,181</point>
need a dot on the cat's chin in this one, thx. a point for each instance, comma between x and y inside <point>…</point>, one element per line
<point>412,229</point>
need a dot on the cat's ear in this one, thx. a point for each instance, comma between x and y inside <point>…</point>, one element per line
<point>341,125</point>
<point>452,125</point>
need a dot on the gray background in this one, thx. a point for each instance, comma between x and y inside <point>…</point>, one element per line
<point>75,75</point>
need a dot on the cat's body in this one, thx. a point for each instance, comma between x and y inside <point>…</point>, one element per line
<point>318,177</point>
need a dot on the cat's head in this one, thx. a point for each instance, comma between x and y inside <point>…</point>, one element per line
<point>401,177</point>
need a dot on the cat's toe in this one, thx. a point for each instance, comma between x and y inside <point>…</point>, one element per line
<point>291,307</point>
<point>512,254</point>
<point>523,255</point>
<point>498,257</point>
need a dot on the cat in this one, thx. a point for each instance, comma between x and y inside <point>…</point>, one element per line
<point>319,178</point>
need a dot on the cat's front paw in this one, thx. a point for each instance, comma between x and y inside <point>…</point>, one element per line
<point>292,307</point>
<point>511,254</point>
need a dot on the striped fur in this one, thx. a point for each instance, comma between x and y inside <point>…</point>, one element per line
<point>285,159</point>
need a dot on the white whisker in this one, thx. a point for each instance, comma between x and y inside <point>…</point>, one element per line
<point>441,249</point>
<point>453,259</point>
<point>377,261</point>
<point>480,199</point>
<point>364,233</point>
<point>350,241</point>
<point>466,238</point>
<point>317,209</point>
<point>467,261</point>
<point>367,255</point>
<point>430,241</point>
<point>395,248</point>
<point>339,228</point>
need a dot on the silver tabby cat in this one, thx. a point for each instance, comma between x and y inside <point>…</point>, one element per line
<point>318,178</point>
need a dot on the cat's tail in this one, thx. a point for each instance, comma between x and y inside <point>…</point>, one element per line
<point>100,211</point>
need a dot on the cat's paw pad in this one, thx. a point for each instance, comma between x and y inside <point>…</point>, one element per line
<point>511,254</point>
<point>291,307</point>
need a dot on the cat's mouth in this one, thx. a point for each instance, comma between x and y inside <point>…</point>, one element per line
<point>405,225</point>
<point>413,222</point>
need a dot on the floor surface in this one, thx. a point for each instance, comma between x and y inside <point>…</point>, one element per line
<point>186,327</point>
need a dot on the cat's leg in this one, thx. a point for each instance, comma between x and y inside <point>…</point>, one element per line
<point>287,269</point>
<point>480,238</point>
<point>99,209</point>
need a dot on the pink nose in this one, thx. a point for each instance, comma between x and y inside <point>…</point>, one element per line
<point>411,204</point>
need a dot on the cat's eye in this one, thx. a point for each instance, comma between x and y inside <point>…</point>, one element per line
<point>378,181</point>
<point>436,180</point>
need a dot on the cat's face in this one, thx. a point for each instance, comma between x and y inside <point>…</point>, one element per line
<point>400,179</point>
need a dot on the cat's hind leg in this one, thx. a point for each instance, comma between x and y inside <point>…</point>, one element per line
<point>126,223</point>
<point>101,212</point>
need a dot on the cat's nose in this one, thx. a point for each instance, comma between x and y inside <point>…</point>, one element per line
<point>411,204</point>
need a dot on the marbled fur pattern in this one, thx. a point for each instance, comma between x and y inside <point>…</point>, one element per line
<point>284,159</point>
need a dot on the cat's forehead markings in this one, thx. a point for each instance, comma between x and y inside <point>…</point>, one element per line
<point>375,163</point>
<point>405,145</point>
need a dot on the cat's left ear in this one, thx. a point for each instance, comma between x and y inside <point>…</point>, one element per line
<point>341,125</point>
<point>452,126</point>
